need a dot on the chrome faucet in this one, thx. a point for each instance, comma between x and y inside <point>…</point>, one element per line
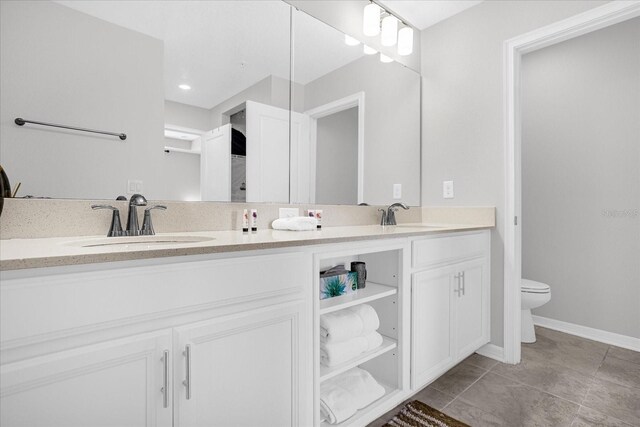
<point>115,229</point>
<point>133,229</point>
<point>147,225</point>
<point>389,216</point>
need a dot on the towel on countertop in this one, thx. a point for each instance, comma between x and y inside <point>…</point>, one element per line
<point>342,396</point>
<point>296,223</point>
<point>351,322</point>
<point>332,354</point>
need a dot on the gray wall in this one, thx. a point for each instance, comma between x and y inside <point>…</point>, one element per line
<point>392,123</point>
<point>176,113</point>
<point>117,85</point>
<point>336,158</point>
<point>581,177</point>
<point>462,111</point>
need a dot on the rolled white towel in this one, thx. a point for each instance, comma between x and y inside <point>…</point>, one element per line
<point>332,354</point>
<point>374,340</point>
<point>296,223</point>
<point>340,326</point>
<point>370,319</point>
<point>336,403</point>
<point>360,386</point>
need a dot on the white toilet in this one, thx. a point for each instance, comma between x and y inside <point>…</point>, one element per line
<point>534,294</point>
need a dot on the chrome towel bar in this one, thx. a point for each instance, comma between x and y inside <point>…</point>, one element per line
<point>22,122</point>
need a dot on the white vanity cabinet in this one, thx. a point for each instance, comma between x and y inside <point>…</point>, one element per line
<point>217,342</point>
<point>116,383</point>
<point>450,301</point>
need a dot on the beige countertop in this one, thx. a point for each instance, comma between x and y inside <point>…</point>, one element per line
<point>18,254</point>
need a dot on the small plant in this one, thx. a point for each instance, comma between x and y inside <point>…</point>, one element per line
<point>333,287</point>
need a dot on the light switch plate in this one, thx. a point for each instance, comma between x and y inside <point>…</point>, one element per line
<point>134,186</point>
<point>288,212</point>
<point>397,191</point>
<point>447,189</point>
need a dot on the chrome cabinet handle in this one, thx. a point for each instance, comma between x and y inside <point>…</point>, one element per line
<point>187,380</point>
<point>165,386</point>
<point>457,289</point>
<point>463,282</point>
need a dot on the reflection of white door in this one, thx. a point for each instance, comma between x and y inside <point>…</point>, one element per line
<point>267,153</point>
<point>302,161</point>
<point>215,165</point>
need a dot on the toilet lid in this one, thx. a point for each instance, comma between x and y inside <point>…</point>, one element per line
<point>532,286</point>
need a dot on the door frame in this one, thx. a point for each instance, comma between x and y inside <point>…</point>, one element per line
<point>513,49</point>
<point>355,100</point>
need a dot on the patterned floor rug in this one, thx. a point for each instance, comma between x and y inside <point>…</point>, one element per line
<point>418,414</point>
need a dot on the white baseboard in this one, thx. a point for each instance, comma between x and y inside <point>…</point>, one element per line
<point>611,338</point>
<point>492,351</point>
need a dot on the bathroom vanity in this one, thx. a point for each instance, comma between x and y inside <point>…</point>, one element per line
<point>225,332</point>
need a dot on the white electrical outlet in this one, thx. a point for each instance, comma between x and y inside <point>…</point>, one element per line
<point>447,189</point>
<point>134,186</point>
<point>288,212</point>
<point>397,191</point>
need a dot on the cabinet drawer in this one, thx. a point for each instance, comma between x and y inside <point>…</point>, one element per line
<point>106,298</point>
<point>448,247</point>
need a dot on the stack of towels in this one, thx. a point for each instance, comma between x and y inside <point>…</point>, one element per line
<point>342,396</point>
<point>347,333</point>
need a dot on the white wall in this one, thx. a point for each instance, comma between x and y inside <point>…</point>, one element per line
<point>117,86</point>
<point>337,158</point>
<point>462,111</point>
<point>581,177</point>
<point>392,123</point>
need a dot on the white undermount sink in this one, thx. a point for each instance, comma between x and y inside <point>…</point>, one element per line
<point>138,241</point>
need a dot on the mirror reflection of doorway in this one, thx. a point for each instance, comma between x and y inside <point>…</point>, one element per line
<point>337,158</point>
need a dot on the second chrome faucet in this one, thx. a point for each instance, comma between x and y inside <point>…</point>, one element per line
<point>389,215</point>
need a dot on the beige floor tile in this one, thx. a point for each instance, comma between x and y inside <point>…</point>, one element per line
<point>614,400</point>
<point>620,372</point>
<point>518,404</point>
<point>624,354</point>
<point>473,416</point>
<point>550,377</point>
<point>480,361</point>
<point>432,397</point>
<point>588,417</point>
<point>458,379</point>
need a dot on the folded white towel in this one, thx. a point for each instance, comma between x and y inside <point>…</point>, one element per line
<point>340,326</point>
<point>370,319</point>
<point>296,223</point>
<point>374,340</point>
<point>360,385</point>
<point>351,322</point>
<point>336,403</point>
<point>332,354</point>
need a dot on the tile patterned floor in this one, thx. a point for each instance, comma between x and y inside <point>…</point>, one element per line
<point>563,380</point>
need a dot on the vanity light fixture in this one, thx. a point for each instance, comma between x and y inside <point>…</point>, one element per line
<point>405,41</point>
<point>371,20</point>
<point>369,50</point>
<point>384,58</point>
<point>389,35</point>
<point>350,41</point>
<point>184,86</point>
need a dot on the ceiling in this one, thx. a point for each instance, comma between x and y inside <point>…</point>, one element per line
<point>220,48</point>
<point>425,13</point>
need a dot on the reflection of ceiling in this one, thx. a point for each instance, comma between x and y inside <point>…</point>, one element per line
<point>220,48</point>
<point>424,14</point>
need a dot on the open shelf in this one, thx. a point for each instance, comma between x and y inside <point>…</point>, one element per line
<point>330,372</point>
<point>356,419</point>
<point>371,292</point>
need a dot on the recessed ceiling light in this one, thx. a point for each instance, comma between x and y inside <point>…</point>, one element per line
<point>350,41</point>
<point>369,50</point>
<point>184,87</point>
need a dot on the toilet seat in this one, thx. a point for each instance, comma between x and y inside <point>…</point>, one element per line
<point>533,287</point>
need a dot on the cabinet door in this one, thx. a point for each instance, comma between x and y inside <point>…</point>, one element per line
<point>117,383</point>
<point>432,318</point>
<point>472,315</point>
<point>251,369</point>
